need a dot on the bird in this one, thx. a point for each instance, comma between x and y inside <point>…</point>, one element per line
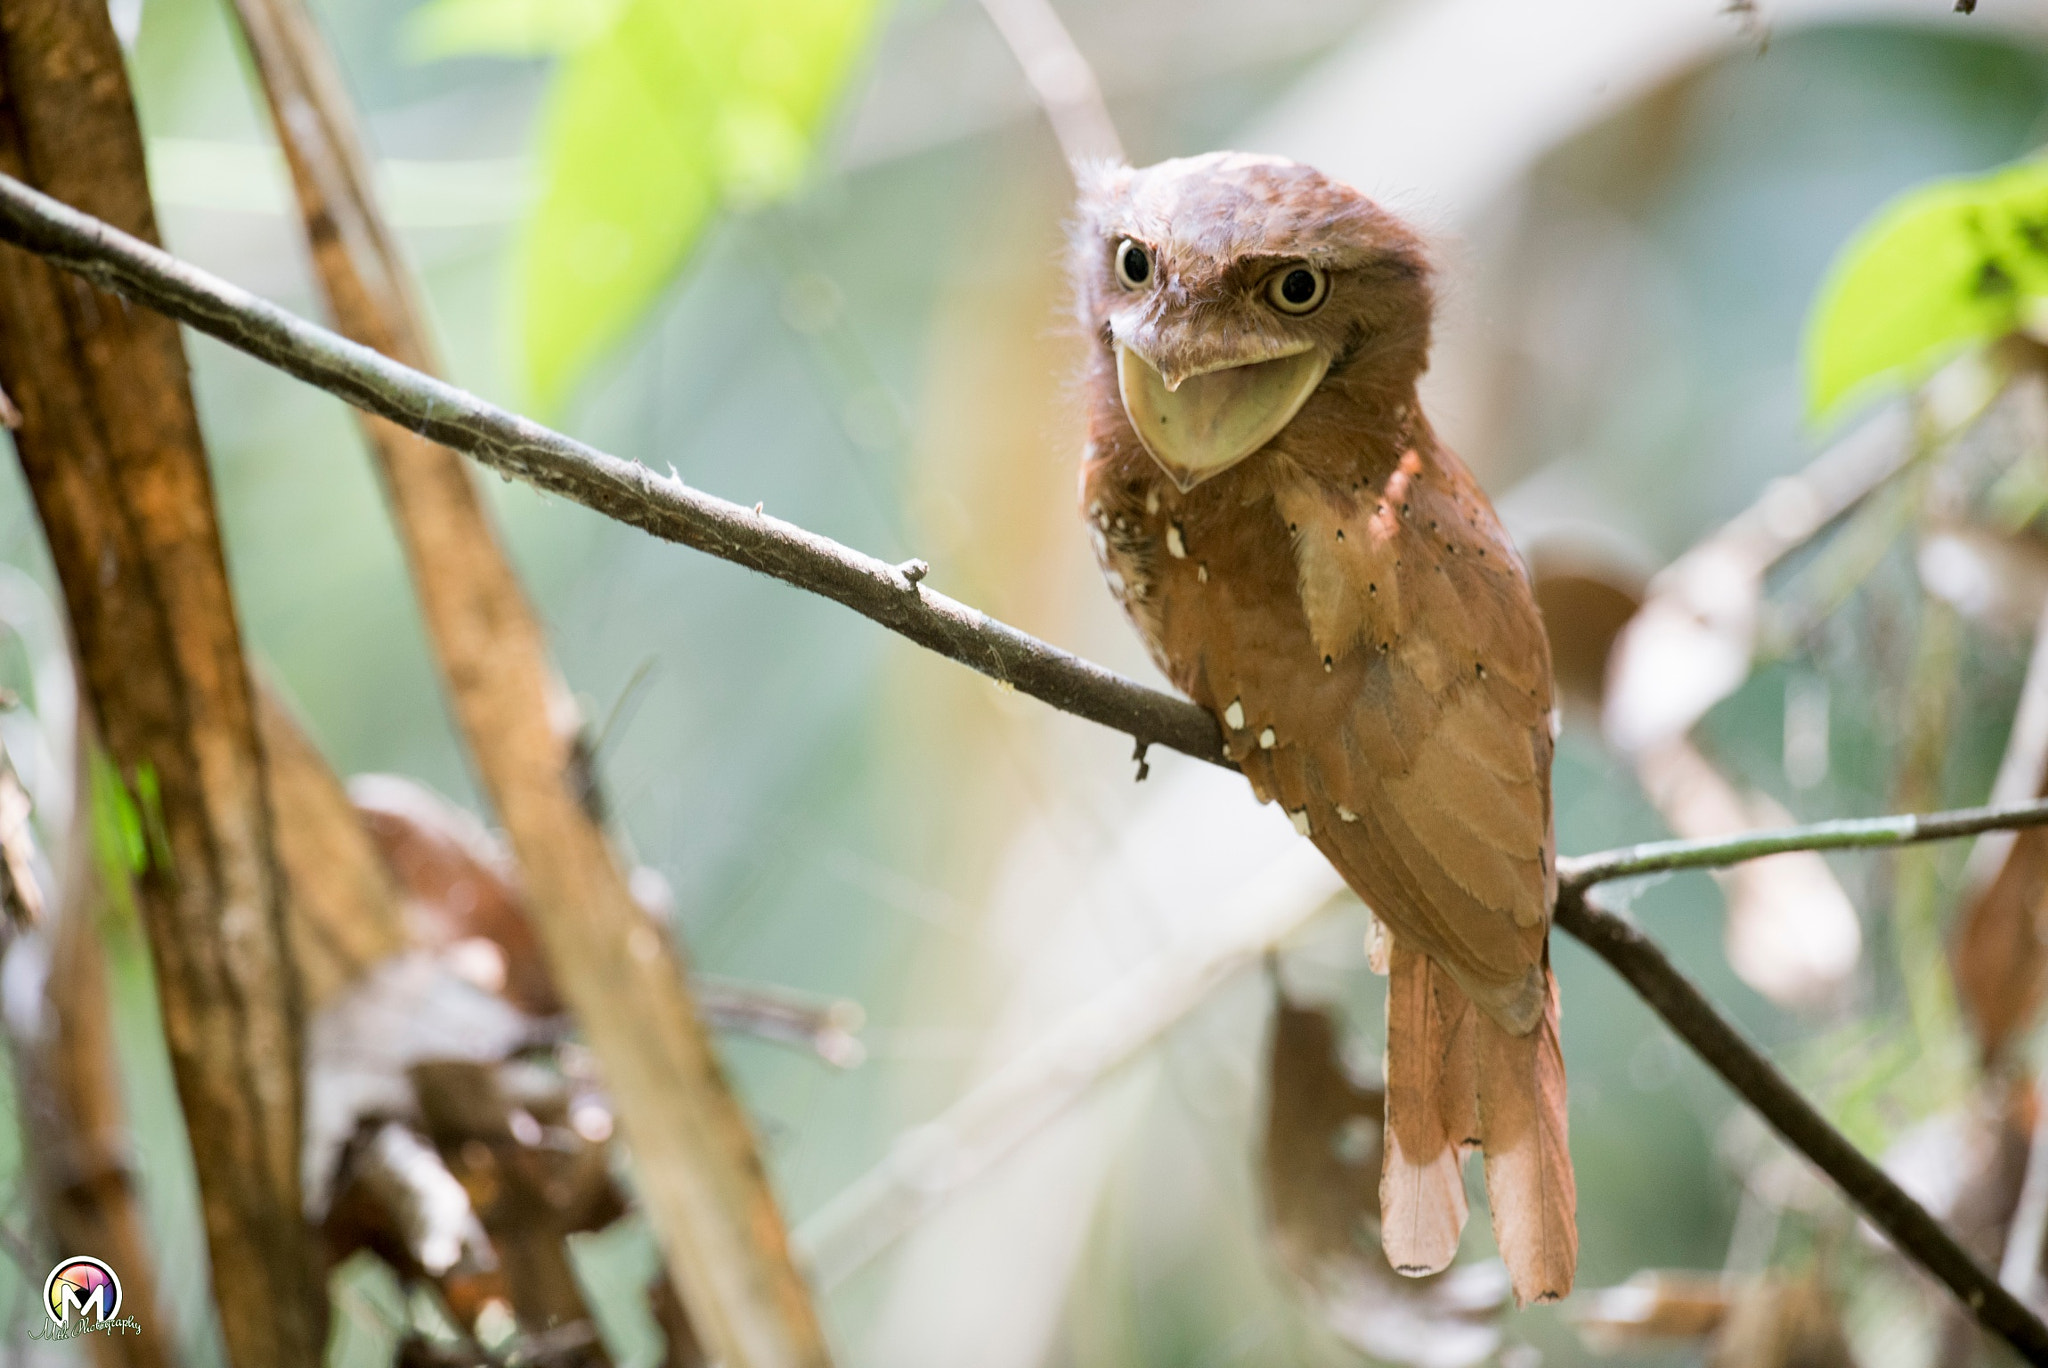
<point>1305,559</point>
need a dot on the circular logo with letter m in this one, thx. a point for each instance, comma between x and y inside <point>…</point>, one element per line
<point>84,1285</point>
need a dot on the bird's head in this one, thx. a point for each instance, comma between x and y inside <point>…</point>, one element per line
<point>1228,289</point>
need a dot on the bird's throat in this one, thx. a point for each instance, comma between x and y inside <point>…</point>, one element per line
<point>1210,422</point>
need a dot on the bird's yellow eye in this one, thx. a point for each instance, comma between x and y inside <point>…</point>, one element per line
<point>1298,289</point>
<point>1133,265</point>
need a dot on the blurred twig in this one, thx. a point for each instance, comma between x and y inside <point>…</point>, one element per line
<point>668,508</point>
<point>1061,80</point>
<point>928,1164</point>
<point>698,1170</point>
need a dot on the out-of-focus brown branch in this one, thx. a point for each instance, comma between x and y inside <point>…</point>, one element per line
<point>670,509</point>
<point>698,1171</point>
<point>111,448</point>
<point>344,912</point>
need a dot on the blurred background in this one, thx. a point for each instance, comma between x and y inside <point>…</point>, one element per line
<point>1634,208</point>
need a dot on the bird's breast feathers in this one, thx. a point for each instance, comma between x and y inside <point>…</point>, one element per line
<point>1367,638</point>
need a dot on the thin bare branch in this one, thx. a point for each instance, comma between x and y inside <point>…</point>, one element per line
<point>665,507</point>
<point>1061,80</point>
<point>1686,1010</point>
<point>929,1164</point>
<point>1576,873</point>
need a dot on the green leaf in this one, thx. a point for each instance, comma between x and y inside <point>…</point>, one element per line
<point>1944,267</point>
<point>681,108</point>
<point>119,838</point>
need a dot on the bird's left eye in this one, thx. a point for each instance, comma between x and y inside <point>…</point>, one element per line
<point>1298,289</point>
<point>1133,265</point>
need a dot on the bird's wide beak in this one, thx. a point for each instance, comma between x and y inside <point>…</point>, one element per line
<point>1208,422</point>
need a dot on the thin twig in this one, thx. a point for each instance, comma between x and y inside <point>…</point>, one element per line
<point>1911,828</point>
<point>669,509</point>
<point>1041,1082</point>
<point>1686,1010</point>
<point>1061,80</point>
<point>665,507</point>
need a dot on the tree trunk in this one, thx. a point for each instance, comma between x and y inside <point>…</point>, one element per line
<point>111,448</point>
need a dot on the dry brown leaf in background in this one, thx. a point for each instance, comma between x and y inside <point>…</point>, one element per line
<point>1586,604</point>
<point>361,1048</point>
<point>533,1179</point>
<point>1320,1167</point>
<point>462,904</point>
<point>1779,1322</point>
<point>2000,945</point>
<point>1653,1305</point>
<point>459,895</point>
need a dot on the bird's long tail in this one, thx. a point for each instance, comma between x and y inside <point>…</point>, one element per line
<point>1458,1081</point>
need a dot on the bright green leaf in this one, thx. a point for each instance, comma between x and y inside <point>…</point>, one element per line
<point>681,108</point>
<point>506,28</point>
<point>119,838</point>
<point>1943,267</point>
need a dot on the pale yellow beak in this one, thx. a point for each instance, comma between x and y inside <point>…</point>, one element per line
<point>1209,422</point>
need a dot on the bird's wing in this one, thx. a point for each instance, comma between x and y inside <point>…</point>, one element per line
<point>1416,746</point>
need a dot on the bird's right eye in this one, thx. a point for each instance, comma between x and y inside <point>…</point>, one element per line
<point>1133,265</point>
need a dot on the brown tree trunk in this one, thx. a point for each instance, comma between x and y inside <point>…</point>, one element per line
<point>697,1168</point>
<point>111,448</point>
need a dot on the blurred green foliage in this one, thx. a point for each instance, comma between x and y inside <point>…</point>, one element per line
<point>1943,266</point>
<point>661,112</point>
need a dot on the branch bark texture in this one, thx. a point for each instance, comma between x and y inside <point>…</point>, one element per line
<point>669,509</point>
<point>1911,1229</point>
<point>621,490</point>
<point>111,448</point>
<point>1849,833</point>
<point>698,1169</point>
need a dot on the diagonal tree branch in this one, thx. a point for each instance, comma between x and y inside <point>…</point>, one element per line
<point>666,507</point>
<point>894,597</point>
<point>1688,1012</point>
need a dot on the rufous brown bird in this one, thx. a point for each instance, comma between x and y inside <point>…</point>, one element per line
<point>1308,562</point>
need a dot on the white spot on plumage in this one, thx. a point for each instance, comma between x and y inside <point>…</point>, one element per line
<point>1346,813</point>
<point>1151,501</point>
<point>1202,573</point>
<point>1175,547</point>
<point>1300,819</point>
<point>1267,739</point>
<point>1234,714</point>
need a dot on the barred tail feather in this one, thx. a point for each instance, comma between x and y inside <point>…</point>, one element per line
<point>1529,1182</point>
<point>1431,1068</point>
